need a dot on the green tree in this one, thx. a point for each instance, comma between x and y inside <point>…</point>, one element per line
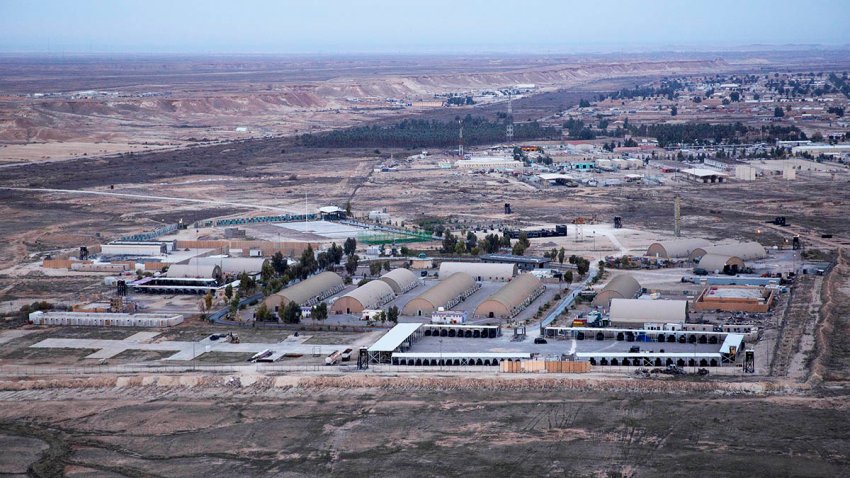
<point>320,312</point>
<point>561,254</point>
<point>234,303</point>
<point>778,112</point>
<point>263,314</point>
<point>279,263</point>
<point>449,241</point>
<point>518,249</point>
<point>349,246</point>
<point>568,277</point>
<point>387,266</point>
<point>267,271</point>
<point>459,249</point>
<point>292,313</point>
<point>374,268</point>
<point>392,314</point>
<point>351,264</point>
<point>674,111</point>
<point>505,241</point>
<point>228,292</point>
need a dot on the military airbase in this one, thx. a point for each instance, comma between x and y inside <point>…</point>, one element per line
<point>407,239</point>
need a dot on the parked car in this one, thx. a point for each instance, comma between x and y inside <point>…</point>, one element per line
<point>540,340</point>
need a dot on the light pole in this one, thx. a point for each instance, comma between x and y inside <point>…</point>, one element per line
<point>441,354</point>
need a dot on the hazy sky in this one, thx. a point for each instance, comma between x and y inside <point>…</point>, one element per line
<point>414,26</point>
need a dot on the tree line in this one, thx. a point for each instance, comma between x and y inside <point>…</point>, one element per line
<point>416,133</point>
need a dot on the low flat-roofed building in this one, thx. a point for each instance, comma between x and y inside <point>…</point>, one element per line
<point>634,313</point>
<point>522,262</point>
<point>732,298</point>
<point>104,319</point>
<point>488,162</point>
<point>702,175</point>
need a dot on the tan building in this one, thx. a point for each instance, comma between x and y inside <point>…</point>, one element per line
<point>400,280</point>
<point>721,263</point>
<point>449,292</point>
<point>232,265</point>
<point>480,271</point>
<point>730,298</point>
<point>634,313</point>
<point>370,295</point>
<point>623,286</point>
<point>675,249</point>
<point>307,292</point>
<point>512,298</point>
<point>186,271</point>
<point>747,251</point>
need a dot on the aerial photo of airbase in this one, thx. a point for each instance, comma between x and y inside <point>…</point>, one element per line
<point>414,239</point>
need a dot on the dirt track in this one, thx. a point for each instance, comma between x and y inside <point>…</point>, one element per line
<point>443,427</point>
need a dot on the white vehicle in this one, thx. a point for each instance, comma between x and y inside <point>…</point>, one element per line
<point>333,357</point>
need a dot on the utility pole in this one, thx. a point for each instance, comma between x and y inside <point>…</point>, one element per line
<point>677,214</point>
<point>460,139</point>
<point>509,131</point>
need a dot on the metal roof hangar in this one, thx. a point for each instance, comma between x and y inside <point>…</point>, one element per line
<point>747,251</point>
<point>231,265</point>
<point>370,295</point>
<point>721,263</point>
<point>184,271</point>
<point>623,286</point>
<point>511,298</point>
<point>480,271</point>
<point>400,280</point>
<point>676,249</point>
<point>449,292</point>
<point>307,292</point>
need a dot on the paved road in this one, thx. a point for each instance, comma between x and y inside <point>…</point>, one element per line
<point>568,300</point>
<point>153,198</point>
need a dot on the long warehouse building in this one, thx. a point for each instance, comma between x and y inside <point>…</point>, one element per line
<point>232,265</point>
<point>370,295</point>
<point>307,292</point>
<point>635,313</point>
<point>448,293</point>
<point>512,298</point>
<point>186,271</point>
<point>480,271</point>
<point>747,251</point>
